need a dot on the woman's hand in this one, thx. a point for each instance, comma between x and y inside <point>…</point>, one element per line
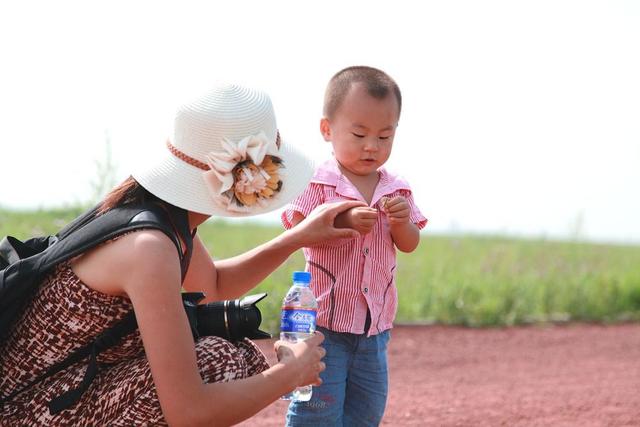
<point>319,226</point>
<point>304,356</point>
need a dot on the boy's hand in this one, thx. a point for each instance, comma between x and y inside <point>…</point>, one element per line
<point>397,210</point>
<point>361,218</point>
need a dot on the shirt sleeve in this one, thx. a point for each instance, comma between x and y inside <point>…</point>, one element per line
<point>306,202</point>
<point>415,216</point>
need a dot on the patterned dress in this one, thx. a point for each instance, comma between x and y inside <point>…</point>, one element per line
<point>65,315</point>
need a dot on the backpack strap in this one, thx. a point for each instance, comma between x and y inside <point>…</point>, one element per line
<point>179,220</point>
<point>78,222</point>
<point>84,233</point>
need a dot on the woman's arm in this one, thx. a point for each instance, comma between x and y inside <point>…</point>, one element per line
<point>149,275</point>
<point>233,277</point>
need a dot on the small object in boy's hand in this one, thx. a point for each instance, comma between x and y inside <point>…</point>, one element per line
<point>383,202</point>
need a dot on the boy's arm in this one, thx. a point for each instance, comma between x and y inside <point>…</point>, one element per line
<point>405,234</point>
<point>361,218</point>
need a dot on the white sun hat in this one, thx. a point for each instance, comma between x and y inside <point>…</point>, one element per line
<point>226,157</point>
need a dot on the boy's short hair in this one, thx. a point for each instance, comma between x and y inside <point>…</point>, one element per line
<point>378,84</point>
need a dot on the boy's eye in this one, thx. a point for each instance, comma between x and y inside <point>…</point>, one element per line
<point>384,137</point>
<point>357,135</point>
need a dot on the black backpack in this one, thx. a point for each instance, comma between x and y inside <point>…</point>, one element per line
<point>24,264</point>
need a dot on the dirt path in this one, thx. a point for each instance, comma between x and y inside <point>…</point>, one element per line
<point>574,375</point>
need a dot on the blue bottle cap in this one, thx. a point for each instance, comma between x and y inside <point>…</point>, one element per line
<point>302,276</point>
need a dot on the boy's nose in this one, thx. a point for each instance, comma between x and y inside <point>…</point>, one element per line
<point>371,144</point>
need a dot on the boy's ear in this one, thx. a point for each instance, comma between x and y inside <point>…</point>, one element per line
<point>325,129</point>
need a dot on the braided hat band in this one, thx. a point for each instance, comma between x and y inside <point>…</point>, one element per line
<point>195,162</point>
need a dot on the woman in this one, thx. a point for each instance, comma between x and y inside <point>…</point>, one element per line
<point>226,159</point>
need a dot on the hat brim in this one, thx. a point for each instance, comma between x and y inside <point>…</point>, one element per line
<point>182,184</point>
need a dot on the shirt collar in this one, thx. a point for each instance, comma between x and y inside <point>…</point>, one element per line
<point>329,173</point>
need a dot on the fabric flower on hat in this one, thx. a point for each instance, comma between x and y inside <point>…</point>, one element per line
<point>244,173</point>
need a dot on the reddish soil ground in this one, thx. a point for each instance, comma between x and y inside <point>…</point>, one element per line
<point>571,375</point>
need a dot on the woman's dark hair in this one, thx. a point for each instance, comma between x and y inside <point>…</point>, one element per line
<point>130,191</point>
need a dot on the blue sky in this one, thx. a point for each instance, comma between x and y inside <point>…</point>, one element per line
<point>519,117</point>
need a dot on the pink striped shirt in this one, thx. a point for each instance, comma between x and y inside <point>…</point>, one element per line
<point>350,276</point>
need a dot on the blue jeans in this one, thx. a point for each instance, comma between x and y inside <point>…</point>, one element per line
<point>354,385</point>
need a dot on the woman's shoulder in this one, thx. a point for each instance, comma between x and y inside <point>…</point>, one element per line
<point>134,254</point>
<point>143,249</point>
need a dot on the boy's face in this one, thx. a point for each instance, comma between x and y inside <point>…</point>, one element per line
<point>362,131</point>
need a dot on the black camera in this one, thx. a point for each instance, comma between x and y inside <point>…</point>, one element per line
<point>229,319</point>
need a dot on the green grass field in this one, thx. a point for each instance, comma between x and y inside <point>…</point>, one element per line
<point>457,280</point>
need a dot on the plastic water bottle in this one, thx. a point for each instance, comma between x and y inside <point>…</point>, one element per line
<point>298,321</point>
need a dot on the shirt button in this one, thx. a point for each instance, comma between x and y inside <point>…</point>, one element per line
<point>366,290</point>
<point>366,251</point>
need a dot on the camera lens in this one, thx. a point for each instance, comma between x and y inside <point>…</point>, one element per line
<point>232,319</point>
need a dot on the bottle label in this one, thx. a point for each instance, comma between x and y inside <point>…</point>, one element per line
<point>298,320</point>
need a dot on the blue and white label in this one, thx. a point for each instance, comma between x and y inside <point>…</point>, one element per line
<point>298,320</point>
